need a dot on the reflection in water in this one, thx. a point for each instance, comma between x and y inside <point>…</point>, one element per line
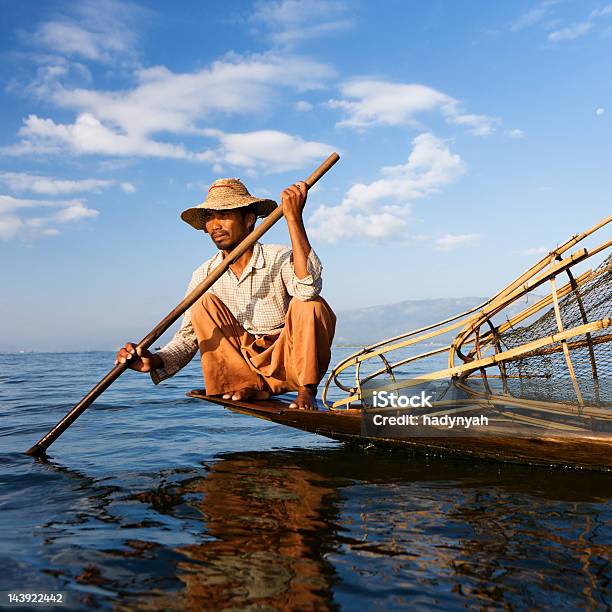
<point>339,529</point>
<point>321,530</point>
<point>268,527</point>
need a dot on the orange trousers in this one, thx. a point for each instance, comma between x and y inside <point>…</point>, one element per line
<point>233,359</point>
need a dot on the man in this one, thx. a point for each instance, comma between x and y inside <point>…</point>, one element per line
<point>262,328</point>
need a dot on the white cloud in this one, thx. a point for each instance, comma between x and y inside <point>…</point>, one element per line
<point>370,102</point>
<point>533,16</point>
<point>15,222</point>
<point>478,125</point>
<point>10,204</point>
<point>94,30</point>
<point>164,101</point>
<point>128,187</point>
<point>74,213</point>
<point>125,123</point>
<point>541,11</point>
<point>72,39</point>
<point>303,106</point>
<point>87,135</point>
<point>21,182</point>
<point>515,133</point>
<point>602,12</point>
<point>571,32</point>
<point>535,251</point>
<point>289,22</point>
<point>600,111</point>
<point>381,209</point>
<point>374,102</point>
<point>267,150</point>
<point>449,242</point>
<point>50,70</point>
<point>9,226</point>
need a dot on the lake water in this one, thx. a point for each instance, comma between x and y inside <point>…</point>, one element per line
<point>155,501</point>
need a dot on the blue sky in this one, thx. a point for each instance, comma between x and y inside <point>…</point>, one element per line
<point>473,137</point>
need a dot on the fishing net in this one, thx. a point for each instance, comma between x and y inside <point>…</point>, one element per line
<point>519,344</point>
<point>543,373</point>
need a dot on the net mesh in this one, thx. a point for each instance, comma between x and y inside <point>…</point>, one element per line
<point>543,374</point>
<point>488,350</point>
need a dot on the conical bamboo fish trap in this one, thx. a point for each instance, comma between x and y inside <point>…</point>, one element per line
<point>557,351</point>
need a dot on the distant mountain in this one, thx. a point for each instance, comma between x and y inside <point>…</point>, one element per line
<point>368,325</point>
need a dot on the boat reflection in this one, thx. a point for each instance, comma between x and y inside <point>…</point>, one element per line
<point>327,529</point>
<point>311,530</point>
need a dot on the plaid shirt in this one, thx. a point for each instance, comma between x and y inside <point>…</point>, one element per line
<point>258,299</point>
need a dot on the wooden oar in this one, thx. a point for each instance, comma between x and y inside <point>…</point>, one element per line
<point>41,446</point>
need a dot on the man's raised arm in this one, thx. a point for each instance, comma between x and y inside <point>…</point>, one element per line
<point>293,200</point>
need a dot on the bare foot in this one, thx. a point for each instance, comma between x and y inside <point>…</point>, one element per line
<point>246,394</point>
<point>305,398</point>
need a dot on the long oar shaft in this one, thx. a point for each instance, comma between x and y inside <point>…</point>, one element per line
<point>41,446</point>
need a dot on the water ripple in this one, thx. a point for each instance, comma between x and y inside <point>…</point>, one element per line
<point>146,504</point>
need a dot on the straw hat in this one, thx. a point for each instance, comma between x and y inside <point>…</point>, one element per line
<point>226,194</point>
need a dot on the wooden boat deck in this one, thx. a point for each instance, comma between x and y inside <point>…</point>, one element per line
<point>592,451</point>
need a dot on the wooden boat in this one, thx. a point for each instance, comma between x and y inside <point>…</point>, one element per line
<point>541,374</point>
<point>504,441</point>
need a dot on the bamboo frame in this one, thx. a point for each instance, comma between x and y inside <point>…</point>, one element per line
<point>566,353</point>
<point>477,347</point>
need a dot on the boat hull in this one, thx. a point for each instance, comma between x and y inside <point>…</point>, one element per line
<point>592,452</point>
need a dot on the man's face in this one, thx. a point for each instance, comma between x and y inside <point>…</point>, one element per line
<point>227,228</point>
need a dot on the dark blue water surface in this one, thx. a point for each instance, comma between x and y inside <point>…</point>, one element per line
<point>155,501</point>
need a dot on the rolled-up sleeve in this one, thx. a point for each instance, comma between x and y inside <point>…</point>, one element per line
<point>306,288</point>
<point>180,350</point>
